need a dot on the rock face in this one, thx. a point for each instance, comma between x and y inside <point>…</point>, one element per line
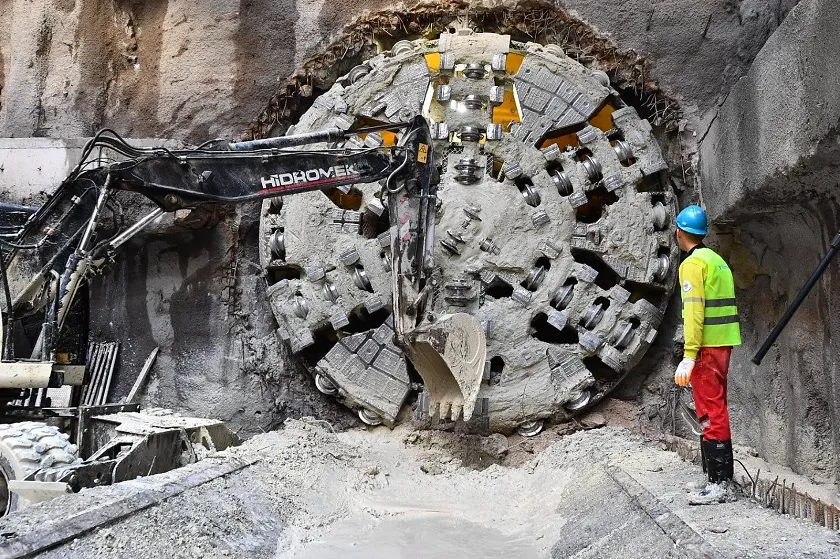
<point>697,50</point>
<point>768,158</point>
<point>162,69</point>
<point>194,70</point>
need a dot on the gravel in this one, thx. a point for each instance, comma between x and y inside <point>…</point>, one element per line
<point>382,493</point>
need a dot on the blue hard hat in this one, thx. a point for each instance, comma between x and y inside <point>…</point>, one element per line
<point>693,220</point>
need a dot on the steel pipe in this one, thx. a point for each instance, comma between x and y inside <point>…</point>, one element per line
<point>800,297</point>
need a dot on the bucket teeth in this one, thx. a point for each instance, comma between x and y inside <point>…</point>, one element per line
<point>449,355</point>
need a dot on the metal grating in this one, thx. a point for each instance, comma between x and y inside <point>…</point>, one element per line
<point>101,362</point>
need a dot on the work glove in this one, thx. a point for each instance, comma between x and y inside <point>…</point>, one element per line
<point>683,374</point>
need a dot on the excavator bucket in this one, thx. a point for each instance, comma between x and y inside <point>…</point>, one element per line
<point>449,355</point>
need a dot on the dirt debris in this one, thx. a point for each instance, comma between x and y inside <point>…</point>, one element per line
<point>382,493</point>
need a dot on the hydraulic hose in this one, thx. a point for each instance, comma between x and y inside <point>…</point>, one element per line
<point>8,340</point>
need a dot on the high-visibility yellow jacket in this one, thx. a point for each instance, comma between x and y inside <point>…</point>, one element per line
<point>710,315</point>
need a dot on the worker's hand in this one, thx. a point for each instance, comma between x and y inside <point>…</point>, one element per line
<point>683,374</point>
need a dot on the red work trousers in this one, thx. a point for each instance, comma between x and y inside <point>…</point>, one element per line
<point>708,384</point>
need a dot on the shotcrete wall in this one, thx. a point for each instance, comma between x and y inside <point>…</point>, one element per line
<point>196,70</point>
<point>769,178</point>
<point>697,50</point>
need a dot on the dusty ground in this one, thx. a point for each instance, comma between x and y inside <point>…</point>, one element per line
<point>381,493</point>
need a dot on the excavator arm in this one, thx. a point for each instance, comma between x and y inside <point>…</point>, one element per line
<point>61,247</point>
<point>184,179</point>
<point>448,351</point>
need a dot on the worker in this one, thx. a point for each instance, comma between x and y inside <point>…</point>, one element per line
<point>710,319</point>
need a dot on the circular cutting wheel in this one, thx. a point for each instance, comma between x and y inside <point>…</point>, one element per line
<point>530,429</point>
<point>369,418</point>
<point>554,228</point>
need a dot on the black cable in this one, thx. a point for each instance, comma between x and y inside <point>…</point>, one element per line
<point>279,152</point>
<point>117,213</point>
<point>109,138</point>
<point>93,188</point>
<point>208,142</point>
<point>8,353</point>
<point>746,471</point>
<point>51,316</point>
<point>18,247</point>
<point>377,128</point>
<point>86,151</point>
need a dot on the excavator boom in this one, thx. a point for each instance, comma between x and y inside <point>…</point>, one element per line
<point>60,248</point>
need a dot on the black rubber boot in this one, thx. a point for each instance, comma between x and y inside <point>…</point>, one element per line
<point>728,461</point>
<point>719,462</point>
<point>700,483</point>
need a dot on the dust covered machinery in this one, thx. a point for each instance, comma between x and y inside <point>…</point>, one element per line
<point>553,227</point>
<point>46,269</point>
<point>74,237</point>
<point>93,446</point>
<point>481,230</point>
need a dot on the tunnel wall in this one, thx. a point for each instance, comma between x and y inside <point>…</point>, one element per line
<point>769,162</point>
<point>697,50</point>
<point>196,70</point>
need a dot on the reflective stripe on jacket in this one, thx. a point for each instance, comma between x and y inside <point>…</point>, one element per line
<point>708,294</point>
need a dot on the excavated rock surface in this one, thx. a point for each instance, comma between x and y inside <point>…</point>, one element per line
<point>185,70</point>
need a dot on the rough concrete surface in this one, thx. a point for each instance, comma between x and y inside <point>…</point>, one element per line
<point>698,49</point>
<point>769,171</point>
<point>600,493</point>
<point>195,70</point>
<point>192,69</point>
<point>774,138</point>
